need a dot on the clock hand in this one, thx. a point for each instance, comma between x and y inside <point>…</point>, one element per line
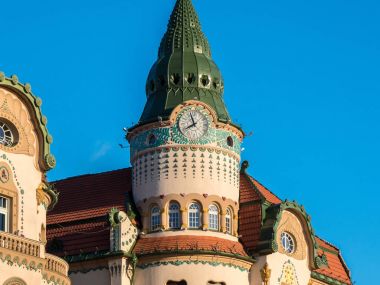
<point>192,118</point>
<point>193,125</point>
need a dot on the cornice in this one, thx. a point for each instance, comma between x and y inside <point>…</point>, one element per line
<point>46,160</point>
<point>327,279</point>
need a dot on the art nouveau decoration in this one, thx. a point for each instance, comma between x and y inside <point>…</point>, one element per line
<point>25,194</point>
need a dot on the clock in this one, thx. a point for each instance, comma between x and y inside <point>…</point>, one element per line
<point>193,124</point>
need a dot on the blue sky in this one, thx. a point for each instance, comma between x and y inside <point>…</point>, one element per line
<point>303,75</point>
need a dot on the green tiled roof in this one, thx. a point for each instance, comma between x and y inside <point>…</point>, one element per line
<point>184,69</point>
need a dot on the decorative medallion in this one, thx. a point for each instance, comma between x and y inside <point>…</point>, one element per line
<point>4,175</point>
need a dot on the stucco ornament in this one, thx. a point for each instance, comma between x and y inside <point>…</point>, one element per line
<point>266,274</point>
<point>289,274</point>
<point>47,195</point>
<point>23,109</point>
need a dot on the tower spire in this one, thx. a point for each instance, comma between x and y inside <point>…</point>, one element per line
<point>184,69</point>
<point>184,31</point>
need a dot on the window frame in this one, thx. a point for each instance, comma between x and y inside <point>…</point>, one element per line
<point>6,212</point>
<point>213,217</point>
<point>228,220</point>
<point>288,242</point>
<point>174,216</point>
<point>155,218</point>
<point>195,214</point>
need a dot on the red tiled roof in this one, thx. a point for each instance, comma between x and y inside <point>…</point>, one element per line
<point>80,238</point>
<point>79,220</point>
<point>247,193</point>
<point>250,225</point>
<point>90,196</point>
<point>251,192</point>
<point>336,267</point>
<point>268,195</point>
<point>187,242</point>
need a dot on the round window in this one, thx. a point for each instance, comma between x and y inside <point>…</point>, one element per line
<point>287,242</point>
<point>8,133</point>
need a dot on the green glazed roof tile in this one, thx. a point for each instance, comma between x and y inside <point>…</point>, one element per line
<point>184,69</point>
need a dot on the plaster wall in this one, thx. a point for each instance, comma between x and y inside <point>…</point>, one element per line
<point>8,271</point>
<point>186,172</point>
<point>193,274</point>
<point>294,266</point>
<point>194,233</point>
<point>27,179</point>
<point>22,160</point>
<point>277,262</point>
<point>97,277</point>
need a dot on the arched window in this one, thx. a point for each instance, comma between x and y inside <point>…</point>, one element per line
<point>229,221</point>
<point>174,215</point>
<point>194,216</point>
<point>213,217</point>
<point>155,218</point>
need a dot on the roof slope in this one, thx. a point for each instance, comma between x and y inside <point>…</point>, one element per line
<point>252,195</point>
<point>79,223</point>
<point>337,268</point>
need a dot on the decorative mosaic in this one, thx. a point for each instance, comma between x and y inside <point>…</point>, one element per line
<point>288,275</point>
<point>20,189</point>
<point>186,162</point>
<point>173,135</point>
<point>123,232</point>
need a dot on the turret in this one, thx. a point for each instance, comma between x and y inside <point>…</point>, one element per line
<point>185,151</point>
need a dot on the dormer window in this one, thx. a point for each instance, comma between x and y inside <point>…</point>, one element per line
<point>4,214</point>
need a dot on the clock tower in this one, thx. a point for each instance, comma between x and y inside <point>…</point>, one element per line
<point>185,150</point>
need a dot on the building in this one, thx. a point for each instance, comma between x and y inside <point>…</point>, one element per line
<point>25,195</point>
<point>187,211</point>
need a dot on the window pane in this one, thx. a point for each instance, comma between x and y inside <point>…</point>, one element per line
<point>2,222</point>
<point>174,216</point>
<point>213,216</point>
<point>155,221</point>
<point>3,202</point>
<point>194,216</point>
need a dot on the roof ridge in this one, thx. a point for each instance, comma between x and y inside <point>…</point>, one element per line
<point>262,185</point>
<point>328,243</point>
<point>90,174</point>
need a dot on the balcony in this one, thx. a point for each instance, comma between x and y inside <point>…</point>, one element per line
<point>55,269</point>
<point>21,244</point>
<point>56,264</point>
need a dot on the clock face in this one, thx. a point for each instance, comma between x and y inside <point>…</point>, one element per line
<point>193,124</point>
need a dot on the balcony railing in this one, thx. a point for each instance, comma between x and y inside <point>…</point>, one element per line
<point>56,264</point>
<point>21,244</point>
